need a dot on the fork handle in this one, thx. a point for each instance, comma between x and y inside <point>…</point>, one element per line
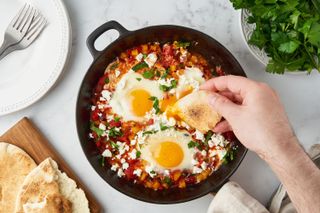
<point>4,46</point>
<point>6,51</point>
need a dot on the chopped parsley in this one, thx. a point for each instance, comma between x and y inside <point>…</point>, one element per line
<point>98,131</point>
<point>113,132</point>
<point>167,88</point>
<point>107,80</point>
<point>114,145</point>
<point>152,172</point>
<point>138,79</point>
<point>163,127</point>
<point>183,44</point>
<point>114,66</point>
<point>139,66</point>
<point>230,155</point>
<point>138,154</point>
<point>193,144</point>
<point>102,160</point>
<point>208,137</point>
<point>155,103</point>
<point>116,119</point>
<point>148,74</point>
<point>149,132</point>
<point>165,74</point>
<point>167,180</point>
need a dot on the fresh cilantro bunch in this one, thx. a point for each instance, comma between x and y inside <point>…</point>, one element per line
<point>287,30</point>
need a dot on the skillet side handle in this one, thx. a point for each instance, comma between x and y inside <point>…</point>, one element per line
<point>110,25</point>
<point>215,191</point>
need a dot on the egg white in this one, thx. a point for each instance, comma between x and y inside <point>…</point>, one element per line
<point>182,138</point>
<point>120,100</point>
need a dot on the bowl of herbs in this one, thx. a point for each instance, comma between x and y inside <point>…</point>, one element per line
<point>283,34</point>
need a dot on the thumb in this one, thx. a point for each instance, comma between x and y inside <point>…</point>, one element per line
<point>223,105</point>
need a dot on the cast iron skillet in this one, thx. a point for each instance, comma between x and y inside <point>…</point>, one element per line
<point>208,47</point>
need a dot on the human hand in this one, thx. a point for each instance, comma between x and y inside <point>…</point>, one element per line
<point>253,111</point>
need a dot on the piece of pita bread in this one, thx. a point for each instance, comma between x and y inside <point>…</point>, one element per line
<point>47,188</point>
<point>15,164</point>
<point>195,110</point>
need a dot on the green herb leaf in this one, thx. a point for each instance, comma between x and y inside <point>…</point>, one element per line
<point>155,104</point>
<point>208,136</point>
<point>139,66</point>
<point>183,44</point>
<point>113,132</point>
<point>167,88</point>
<point>289,47</point>
<point>114,145</point>
<point>98,131</point>
<point>167,180</point>
<point>114,66</point>
<point>138,154</point>
<point>116,119</point>
<point>193,144</point>
<point>138,79</point>
<point>148,74</point>
<point>165,74</point>
<point>149,132</point>
<point>152,172</point>
<point>163,127</point>
<point>102,160</point>
<point>106,80</point>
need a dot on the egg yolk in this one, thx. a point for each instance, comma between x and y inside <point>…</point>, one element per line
<point>168,154</point>
<point>140,102</point>
<point>169,101</point>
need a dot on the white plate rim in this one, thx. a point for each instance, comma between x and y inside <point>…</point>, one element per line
<point>54,76</point>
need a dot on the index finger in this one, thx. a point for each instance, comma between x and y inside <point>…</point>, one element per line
<point>236,84</point>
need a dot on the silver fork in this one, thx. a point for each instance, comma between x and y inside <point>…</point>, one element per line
<point>18,27</point>
<point>34,31</point>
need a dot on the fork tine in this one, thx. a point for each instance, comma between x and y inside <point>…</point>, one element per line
<point>22,17</point>
<point>15,19</point>
<point>37,30</point>
<point>37,18</point>
<point>28,21</point>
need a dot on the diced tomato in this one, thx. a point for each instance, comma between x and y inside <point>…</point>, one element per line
<point>190,180</point>
<point>167,55</point>
<point>229,136</point>
<point>114,123</point>
<point>150,122</point>
<point>129,172</point>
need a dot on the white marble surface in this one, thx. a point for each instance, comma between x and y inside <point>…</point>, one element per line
<point>55,113</point>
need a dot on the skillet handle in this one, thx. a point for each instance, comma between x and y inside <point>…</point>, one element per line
<point>215,191</point>
<point>110,25</point>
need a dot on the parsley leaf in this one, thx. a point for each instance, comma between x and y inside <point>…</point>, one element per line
<point>149,132</point>
<point>139,79</point>
<point>114,145</point>
<point>98,131</point>
<point>138,154</point>
<point>193,144</point>
<point>183,44</point>
<point>113,132</point>
<point>139,66</point>
<point>163,127</point>
<point>167,88</point>
<point>148,74</point>
<point>155,104</point>
<point>114,66</point>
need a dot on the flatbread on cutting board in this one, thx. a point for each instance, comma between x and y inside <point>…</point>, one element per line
<point>195,110</point>
<point>15,164</point>
<point>47,188</point>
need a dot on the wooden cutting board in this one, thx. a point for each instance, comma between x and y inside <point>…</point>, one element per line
<point>27,136</point>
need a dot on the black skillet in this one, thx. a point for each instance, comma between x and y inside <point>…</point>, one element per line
<point>208,47</point>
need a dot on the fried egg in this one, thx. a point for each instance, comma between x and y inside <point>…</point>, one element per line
<point>168,150</point>
<point>131,99</point>
<point>189,81</point>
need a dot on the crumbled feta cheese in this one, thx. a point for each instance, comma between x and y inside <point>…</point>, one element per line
<point>93,108</point>
<point>212,153</point>
<point>133,154</point>
<point>203,152</point>
<point>166,172</point>
<point>102,99</point>
<point>171,121</point>
<point>172,91</point>
<point>137,172</point>
<point>133,142</point>
<point>114,167</point>
<point>106,153</point>
<point>151,59</point>
<point>120,173</point>
<point>184,124</point>
<point>150,170</point>
<point>139,57</point>
<point>199,135</point>
<point>91,135</point>
<point>118,156</point>
<point>218,140</point>
<point>221,153</point>
<point>194,162</point>
<point>106,94</point>
<point>125,166</point>
<point>122,160</point>
<point>196,170</point>
<point>100,106</point>
<point>102,126</point>
<point>117,73</point>
<point>204,165</point>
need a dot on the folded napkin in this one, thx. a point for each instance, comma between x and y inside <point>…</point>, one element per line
<point>231,198</point>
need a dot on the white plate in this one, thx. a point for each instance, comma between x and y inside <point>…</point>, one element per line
<point>27,75</point>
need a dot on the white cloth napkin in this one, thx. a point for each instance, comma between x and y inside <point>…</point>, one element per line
<point>231,198</point>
